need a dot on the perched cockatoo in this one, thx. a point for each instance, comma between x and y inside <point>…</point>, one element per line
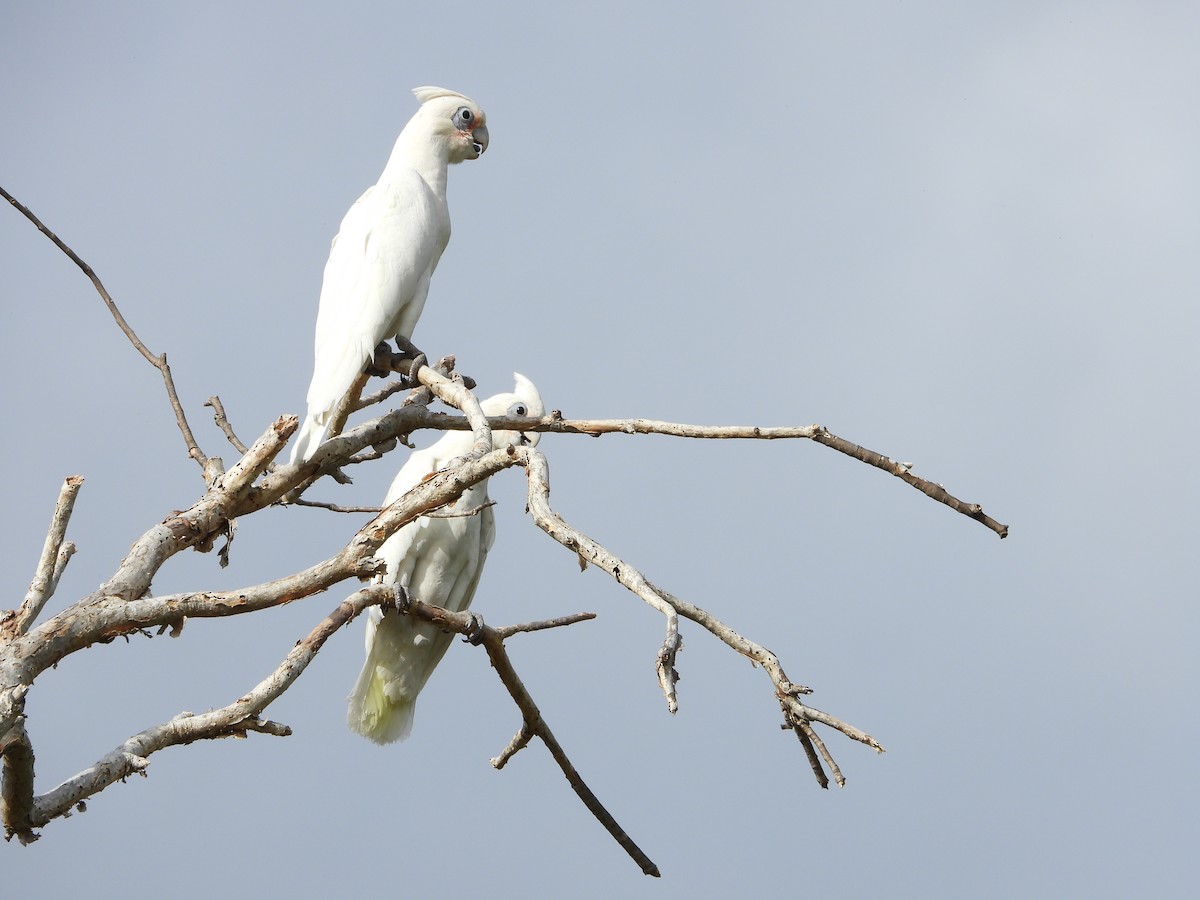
<point>384,254</point>
<point>437,560</point>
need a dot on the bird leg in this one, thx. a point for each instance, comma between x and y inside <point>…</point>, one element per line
<point>380,365</point>
<point>409,351</point>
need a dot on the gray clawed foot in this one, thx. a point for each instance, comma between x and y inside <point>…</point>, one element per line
<point>400,598</point>
<point>404,361</point>
<point>475,628</point>
<point>380,365</point>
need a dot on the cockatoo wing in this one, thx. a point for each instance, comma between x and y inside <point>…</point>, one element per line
<point>375,284</point>
<point>438,560</point>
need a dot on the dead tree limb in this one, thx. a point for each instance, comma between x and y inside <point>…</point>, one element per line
<point>533,724</point>
<point>796,714</point>
<point>123,604</point>
<point>159,362</point>
<point>235,720</point>
<point>55,555</point>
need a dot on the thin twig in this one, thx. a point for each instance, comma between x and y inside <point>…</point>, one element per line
<point>333,507</point>
<point>464,514</point>
<point>159,362</point>
<point>393,387</point>
<point>223,423</point>
<point>560,622</point>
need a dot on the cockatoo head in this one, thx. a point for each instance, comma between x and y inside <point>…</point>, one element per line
<point>454,120</point>
<point>523,401</point>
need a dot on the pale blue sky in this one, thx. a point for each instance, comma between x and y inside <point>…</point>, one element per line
<point>960,234</point>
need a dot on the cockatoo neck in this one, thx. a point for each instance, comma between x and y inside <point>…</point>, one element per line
<point>420,151</point>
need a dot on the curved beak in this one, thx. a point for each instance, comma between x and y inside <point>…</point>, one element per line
<point>479,140</point>
<point>530,439</point>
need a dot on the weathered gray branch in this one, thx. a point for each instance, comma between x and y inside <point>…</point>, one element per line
<point>105,616</point>
<point>532,722</point>
<point>588,550</point>
<point>235,720</point>
<point>122,605</point>
<point>16,783</point>
<point>53,561</point>
<point>556,424</point>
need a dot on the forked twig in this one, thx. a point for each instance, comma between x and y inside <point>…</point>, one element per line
<point>54,558</point>
<point>532,722</point>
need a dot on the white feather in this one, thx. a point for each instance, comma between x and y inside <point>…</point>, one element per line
<point>437,560</point>
<point>385,253</point>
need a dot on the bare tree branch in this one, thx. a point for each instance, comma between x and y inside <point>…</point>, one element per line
<point>904,473</point>
<point>533,724</point>
<point>556,424</point>
<point>234,720</point>
<point>559,622</point>
<point>786,692</point>
<point>119,607</point>
<point>16,791</point>
<point>123,605</point>
<point>159,362</point>
<point>394,387</point>
<point>52,562</point>
<point>333,507</point>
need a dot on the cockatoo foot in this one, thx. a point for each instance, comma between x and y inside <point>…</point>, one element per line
<point>405,361</point>
<point>409,352</point>
<point>475,628</point>
<point>406,348</point>
<point>380,365</point>
<point>400,598</point>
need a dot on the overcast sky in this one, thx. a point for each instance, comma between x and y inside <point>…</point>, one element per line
<point>963,235</point>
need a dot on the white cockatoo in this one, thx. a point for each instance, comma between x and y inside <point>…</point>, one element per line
<point>384,254</point>
<point>437,560</point>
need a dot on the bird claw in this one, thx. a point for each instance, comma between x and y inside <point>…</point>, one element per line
<point>415,366</point>
<point>400,598</point>
<point>405,360</point>
<point>475,626</point>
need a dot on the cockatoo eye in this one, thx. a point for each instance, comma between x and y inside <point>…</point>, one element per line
<point>464,115</point>
<point>518,409</point>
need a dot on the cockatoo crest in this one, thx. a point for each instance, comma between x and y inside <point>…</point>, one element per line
<point>428,92</point>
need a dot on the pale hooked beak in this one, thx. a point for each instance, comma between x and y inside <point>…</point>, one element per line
<point>479,140</point>
<point>531,439</point>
